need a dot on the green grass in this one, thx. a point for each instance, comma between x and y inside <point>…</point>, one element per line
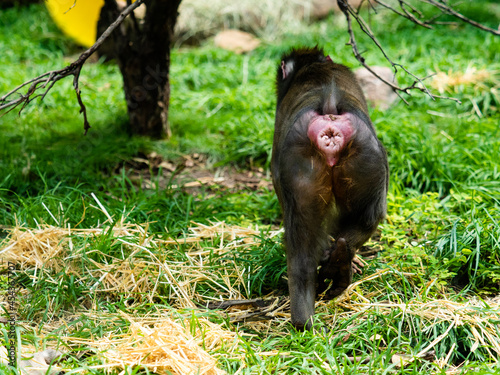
<point>441,239</point>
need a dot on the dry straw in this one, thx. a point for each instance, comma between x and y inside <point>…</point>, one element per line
<point>481,316</point>
<point>163,344</point>
<point>167,347</point>
<point>472,76</point>
<point>49,249</point>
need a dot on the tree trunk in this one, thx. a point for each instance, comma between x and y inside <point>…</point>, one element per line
<point>141,46</point>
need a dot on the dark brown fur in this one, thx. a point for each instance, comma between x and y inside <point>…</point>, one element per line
<point>346,201</point>
<point>338,268</point>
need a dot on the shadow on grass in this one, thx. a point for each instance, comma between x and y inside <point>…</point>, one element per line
<point>34,161</point>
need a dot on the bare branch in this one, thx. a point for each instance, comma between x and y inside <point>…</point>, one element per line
<point>86,125</point>
<point>406,14</point>
<point>71,7</point>
<point>417,84</point>
<point>411,13</point>
<point>445,8</point>
<point>404,4</point>
<point>47,80</point>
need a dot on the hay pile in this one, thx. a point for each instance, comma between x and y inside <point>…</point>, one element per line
<point>168,347</point>
<point>164,344</point>
<point>158,343</point>
<point>451,81</point>
<point>481,316</point>
<point>146,264</point>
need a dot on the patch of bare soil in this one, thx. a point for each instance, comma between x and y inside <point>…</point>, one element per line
<point>191,173</point>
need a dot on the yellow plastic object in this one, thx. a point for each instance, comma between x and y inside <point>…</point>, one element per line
<point>77,19</point>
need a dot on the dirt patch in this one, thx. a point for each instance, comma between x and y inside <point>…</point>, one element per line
<point>191,173</point>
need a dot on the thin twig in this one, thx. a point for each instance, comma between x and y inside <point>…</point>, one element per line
<point>86,125</point>
<point>405,13</point>
<point>417,84</point>
<point>47,80</point>
<point>445,8</point>
<point>71,7</point>
<point>403,3</point>
<point>411,13</point>
<point>416,16</point>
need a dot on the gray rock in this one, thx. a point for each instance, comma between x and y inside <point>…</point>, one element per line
<point>377,93</point>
